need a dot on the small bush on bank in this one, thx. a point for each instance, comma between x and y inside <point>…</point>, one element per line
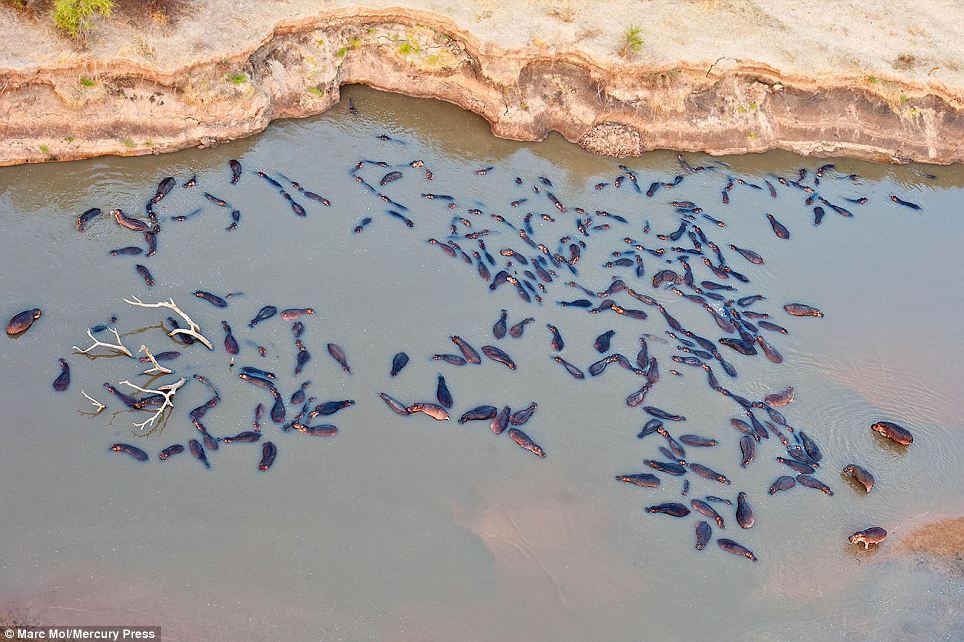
<point>76,17</point>
<point>632,41</point>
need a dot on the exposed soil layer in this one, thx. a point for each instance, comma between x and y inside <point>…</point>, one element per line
<point>740,80</point>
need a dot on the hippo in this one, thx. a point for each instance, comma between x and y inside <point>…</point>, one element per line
<point>22,321</point>
<point>868,536</point>
<point>862,475</point>
<point>892,431</point>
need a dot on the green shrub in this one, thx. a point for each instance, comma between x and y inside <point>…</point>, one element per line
<point>238,78</point>
<point>76,17</point>
<point>87,82</point>
<point>632,41</point>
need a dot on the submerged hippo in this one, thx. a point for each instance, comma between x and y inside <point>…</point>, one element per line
<point>862,475</point>
<point>436,412</point>
<point>730,546</point>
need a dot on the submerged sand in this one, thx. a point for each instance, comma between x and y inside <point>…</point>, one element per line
<point>939,544</point>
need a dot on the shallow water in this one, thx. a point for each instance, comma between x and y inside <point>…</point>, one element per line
<point>405,528</point>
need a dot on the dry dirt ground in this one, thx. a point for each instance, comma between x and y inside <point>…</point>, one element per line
<point>877,79</point>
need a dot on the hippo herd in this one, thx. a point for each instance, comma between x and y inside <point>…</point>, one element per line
<point>533,245</point>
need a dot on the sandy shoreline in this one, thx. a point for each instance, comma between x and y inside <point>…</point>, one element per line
<point>888,89</point>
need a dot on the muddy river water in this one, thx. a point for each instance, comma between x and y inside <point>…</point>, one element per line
<point>404,528</point>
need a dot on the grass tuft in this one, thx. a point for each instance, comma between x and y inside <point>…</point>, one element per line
<point>632,41</point>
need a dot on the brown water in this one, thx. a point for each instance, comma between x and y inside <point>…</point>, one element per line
<point>404,528</point>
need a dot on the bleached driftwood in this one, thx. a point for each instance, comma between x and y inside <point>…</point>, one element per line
<point>157,368</point>
<point>96,403</point>
<point>166,391</point>
<point>193,329</point>
<point>119,347</point>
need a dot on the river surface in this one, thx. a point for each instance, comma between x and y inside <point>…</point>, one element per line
<point>403,528</point>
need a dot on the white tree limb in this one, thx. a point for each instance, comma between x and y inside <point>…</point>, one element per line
<point>167,391</point>
<point>193,329</point>
<point>157,368</point>
<point>96,403</point>
<point>119,347</point>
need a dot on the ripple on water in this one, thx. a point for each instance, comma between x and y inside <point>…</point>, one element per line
<point>864,391</point>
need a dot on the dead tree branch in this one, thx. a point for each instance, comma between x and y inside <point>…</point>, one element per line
<point>119,347</point>
<point>96,403</point>
<point>166,391</point>
<point>157,368</point>
<point>193,329</point>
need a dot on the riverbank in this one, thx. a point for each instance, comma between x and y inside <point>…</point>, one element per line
<point>719,77</point>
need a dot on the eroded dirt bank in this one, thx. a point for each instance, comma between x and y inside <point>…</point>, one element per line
<point>753,81</point>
